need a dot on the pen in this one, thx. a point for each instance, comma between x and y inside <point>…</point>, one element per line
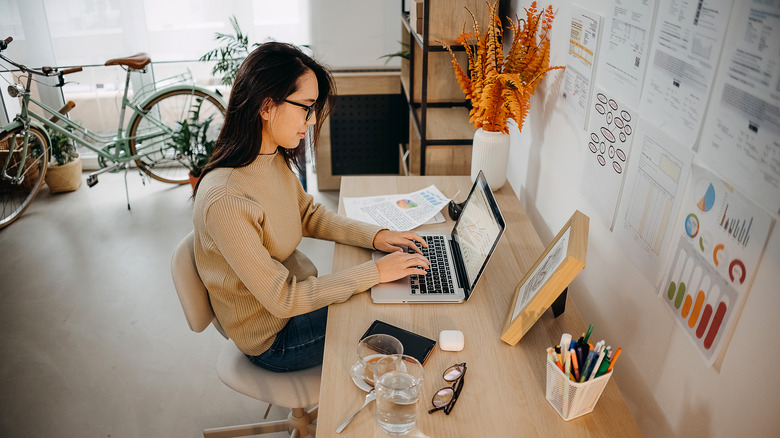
<point>588,364</point>
<point>614,359</point>
<point>598,364</point>
<point>574,364</point>
<point>587,335</point>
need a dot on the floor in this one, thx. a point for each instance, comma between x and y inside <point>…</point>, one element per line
<point>93,341</point>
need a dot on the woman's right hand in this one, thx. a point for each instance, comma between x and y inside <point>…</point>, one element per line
<point>400,264</point>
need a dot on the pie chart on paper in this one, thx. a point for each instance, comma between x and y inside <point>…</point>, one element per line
<point>406,203</point>
<point>707,201</point>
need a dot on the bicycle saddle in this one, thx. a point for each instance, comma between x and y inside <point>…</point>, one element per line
<point>136,62</point>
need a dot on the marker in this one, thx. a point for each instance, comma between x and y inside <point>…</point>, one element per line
<point>574,364</point>
<point>614,359</point>
<point>567,365</point>
<point>587,335</point>
<point>582,353</point>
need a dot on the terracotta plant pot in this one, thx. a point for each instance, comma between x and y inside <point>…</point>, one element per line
<point>65,178</point>
<point>194,181</point>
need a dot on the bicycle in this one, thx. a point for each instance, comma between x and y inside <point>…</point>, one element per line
<point>147,141</point>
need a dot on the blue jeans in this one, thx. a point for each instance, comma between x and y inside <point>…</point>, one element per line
<point>299,345</point>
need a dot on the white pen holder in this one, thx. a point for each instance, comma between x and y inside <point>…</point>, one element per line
<point>572,399</point>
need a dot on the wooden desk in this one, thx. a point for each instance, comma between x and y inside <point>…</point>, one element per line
<point>504,391</point>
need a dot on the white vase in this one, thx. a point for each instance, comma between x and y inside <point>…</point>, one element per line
<point>490,153</point>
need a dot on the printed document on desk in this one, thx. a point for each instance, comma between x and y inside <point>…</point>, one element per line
<point>399,212</point>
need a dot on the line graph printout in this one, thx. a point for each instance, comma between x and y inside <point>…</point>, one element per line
<point>476,232</point>
<point>656,177</point>
<point>608,143</point>
<point>625,48</point>
<point>719,240</point>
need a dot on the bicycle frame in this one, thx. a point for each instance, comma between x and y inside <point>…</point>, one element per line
<point>120,141</point>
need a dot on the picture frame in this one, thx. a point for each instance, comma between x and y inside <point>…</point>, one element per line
<point>560,263</point>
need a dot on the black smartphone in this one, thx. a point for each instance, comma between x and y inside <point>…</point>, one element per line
<point>415,345</point>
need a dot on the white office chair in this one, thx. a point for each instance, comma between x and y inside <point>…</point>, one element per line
<point>295,390</point>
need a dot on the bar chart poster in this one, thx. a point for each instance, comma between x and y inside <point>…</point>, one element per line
<point>721,238</point>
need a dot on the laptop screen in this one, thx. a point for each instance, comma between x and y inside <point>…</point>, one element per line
<point>478,230</point>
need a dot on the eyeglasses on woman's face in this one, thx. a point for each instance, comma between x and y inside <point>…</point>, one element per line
<point>309,108</point>
<point>445,398</point>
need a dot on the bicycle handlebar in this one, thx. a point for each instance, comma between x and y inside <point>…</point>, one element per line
<point>71,70</point>
<point>4,43</point>
<point>44,71</point>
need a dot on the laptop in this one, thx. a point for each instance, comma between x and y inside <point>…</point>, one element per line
<point>458,259</point>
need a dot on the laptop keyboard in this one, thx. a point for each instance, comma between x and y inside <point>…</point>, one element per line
<point>438,280</point>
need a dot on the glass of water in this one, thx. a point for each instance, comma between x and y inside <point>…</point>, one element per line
<point>398,387</point>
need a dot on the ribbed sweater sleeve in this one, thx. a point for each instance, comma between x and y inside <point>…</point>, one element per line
<point>248,222</point>
<point>236,230</point>
<point>320,223</point>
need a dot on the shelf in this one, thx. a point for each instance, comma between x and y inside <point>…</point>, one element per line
<point>445,124</point>
<point>448,142</point>
<point>440,134</point>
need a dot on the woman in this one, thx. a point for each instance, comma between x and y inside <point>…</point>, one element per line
<point>251,212</point>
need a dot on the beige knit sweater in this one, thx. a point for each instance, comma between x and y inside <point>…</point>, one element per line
<point>248,222</point>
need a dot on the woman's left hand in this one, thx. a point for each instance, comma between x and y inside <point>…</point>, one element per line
<point>393,241</point>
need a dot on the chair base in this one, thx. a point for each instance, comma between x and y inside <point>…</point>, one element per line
<point>298,423</point>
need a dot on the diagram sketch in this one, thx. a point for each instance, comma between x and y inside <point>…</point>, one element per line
<point>610,129</point>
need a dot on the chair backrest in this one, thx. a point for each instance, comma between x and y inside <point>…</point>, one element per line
<point>192,293</point>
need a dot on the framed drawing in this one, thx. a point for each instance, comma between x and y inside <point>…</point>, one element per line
<point>561,261</point>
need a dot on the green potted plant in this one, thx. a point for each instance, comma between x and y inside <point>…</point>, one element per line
<point>63,173</point>
<point>191,142</point>
<point>229,56</point>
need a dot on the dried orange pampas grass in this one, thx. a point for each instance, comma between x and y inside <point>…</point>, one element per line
<point>500,87</point>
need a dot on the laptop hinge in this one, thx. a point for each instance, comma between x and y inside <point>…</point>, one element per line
<point>459,268</point>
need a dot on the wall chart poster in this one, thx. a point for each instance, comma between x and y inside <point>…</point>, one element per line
<point>721,238</point>
<point>652,194</point>
<point>583,45</point>
<point>743,139</point>
<point>610,128</point>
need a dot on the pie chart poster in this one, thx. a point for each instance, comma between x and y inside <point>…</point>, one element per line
<point>722,235</point>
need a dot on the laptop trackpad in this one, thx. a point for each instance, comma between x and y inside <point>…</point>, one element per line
<point>392,289</point>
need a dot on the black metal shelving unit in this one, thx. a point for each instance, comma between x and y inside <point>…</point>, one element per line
<point>418,42</point>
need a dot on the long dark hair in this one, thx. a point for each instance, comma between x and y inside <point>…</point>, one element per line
<point>270,72</point>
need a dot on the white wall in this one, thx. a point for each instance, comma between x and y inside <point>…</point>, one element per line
<point>355,34</point>
<point>668,387</point>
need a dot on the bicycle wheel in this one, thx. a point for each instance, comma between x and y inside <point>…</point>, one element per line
<point>149,138</point>
<point>15,197</point>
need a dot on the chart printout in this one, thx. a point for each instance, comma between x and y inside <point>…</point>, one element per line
<point>687,42</point>
<point>583,45</point>
<point>742,141</point>
<point>625,48</point>
<point>719,240</point>
<point>655,180</point>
